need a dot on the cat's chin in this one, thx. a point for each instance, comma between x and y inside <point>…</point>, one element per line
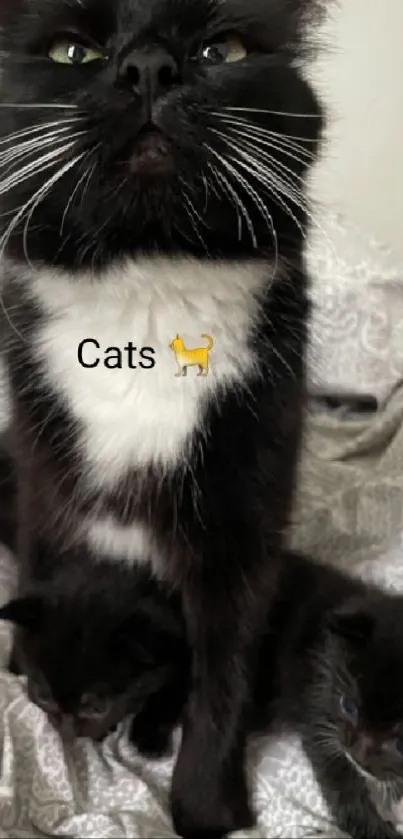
<point>368,776</point>
<point>152,155</point>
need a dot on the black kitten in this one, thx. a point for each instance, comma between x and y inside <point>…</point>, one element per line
<point>95,654</point>
<point>336,646</point>
<point>153,158</point>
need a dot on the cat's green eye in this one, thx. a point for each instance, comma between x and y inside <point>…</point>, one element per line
<point>75,54</point>
<point>226,50</point>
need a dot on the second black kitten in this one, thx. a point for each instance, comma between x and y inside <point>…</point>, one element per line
<point>335,646</point>
<point>97,649</point>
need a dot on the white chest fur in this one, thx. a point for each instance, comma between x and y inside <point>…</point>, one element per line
<point>132,417</point>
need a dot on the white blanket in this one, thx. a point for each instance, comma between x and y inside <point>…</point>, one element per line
<point>350,510</point>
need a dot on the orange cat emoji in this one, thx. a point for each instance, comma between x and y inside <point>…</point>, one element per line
<point>191,358</point>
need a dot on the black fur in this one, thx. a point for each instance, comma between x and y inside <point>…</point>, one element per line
<point>8,493</point>
<point>152,215</point>
<point>222,515</point>
<point>98,644</point>
<point>333,639</point>
<point>328,638</point>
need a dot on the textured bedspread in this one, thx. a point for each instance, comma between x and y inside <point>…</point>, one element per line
<point>349,511</point>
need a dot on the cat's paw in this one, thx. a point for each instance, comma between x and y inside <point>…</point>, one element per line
<point>13,666</point>
<point>206,804</point>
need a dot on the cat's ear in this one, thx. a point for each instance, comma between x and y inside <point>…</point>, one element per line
<point>352,621</point>
<point>26,612</point>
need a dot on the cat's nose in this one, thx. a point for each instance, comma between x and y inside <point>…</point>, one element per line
<point>150,74</point>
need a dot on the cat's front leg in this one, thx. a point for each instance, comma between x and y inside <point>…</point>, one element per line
<point>347,794</point>
<point>152,728</point>
<point>225,597</point>
<point>13,666</point>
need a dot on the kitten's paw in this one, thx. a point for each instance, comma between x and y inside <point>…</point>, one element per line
<point>13,666</point>
<point>204,807</point>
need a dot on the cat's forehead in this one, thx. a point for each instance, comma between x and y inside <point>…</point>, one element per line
<point>120,18</point>
<point>137,13</point>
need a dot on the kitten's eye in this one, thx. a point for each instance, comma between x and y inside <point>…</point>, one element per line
<point>348,706</point>
<point>226,51</point>
<point>75,54</point>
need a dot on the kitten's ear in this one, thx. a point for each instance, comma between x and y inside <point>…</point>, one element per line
<point>26,612</point>
<point>352,621</point>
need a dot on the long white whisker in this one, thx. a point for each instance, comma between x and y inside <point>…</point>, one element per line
<point>277,136</point>
<point>290,180</point>
<point>14,154</point>
<point>270,140</point>
<point>239,205</point>
<point>297,197</point>
<point>73,194</point>
<point>30,205</point>
<point>40,196</point>
<point>279,186</point>
<point>39,126</point>
<point>84,181</point>
<point>251,192</point>
<point>52,180</point>
<point>32,168</point>
<point>33,105</point>
<point>260,146</point>
<point>205,185</point>
<point>257,171</point>
<point>226,188</point>
<point>274,113</point>
<point>193,215</point>
<point>263,154</point>
<point>90,174</point>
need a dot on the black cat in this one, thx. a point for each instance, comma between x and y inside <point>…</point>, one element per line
<point>153,158</point>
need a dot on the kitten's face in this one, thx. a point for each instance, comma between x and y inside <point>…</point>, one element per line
<point>150,124</point>
<point>87,676</point>
<point>365,681</point>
